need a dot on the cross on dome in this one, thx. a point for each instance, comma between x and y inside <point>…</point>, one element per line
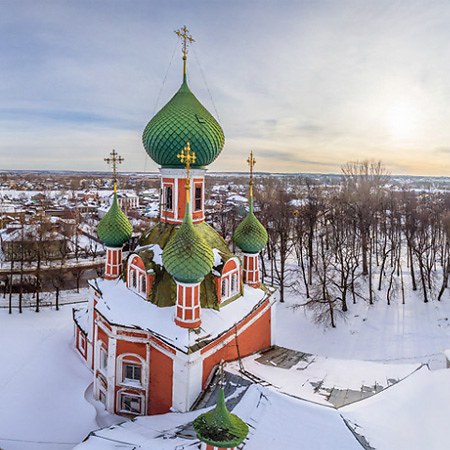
<point>187,157</point>
<point>187,38</point>
<point>114,160</point>
<point>183,33</point>
<point>251,162</point>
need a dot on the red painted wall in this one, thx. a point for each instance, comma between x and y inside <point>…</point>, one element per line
<point>161,379</point>
<point>254,338</point>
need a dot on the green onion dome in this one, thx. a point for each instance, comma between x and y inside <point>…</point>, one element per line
<point>114,229</point>
<point>187,257</point>
<point>250,235</point>
<point>183,119</point>
<point>219,427</point>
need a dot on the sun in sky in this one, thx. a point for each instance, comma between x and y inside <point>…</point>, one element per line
<point>403,120</point>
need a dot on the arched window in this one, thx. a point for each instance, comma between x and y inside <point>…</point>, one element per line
<point>234,283</point>
<point>144,284</point>
<point>224,290</point>
<point>198,198</point>
<point>134,279</point>
<point>168,198</point>
<point>131,370</point>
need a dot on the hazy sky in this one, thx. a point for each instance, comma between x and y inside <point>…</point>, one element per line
<point>307,85</point>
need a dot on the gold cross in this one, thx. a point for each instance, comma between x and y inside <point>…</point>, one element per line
<point>183,33</point>
<point>187,157</point>
<point>251,162</point>
<point>114,160</point>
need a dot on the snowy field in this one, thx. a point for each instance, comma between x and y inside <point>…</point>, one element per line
<point>42,382</point>
<point>414,332</point>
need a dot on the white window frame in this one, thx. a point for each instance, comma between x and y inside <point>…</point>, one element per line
<point>198,185</point>
<point>165,196</point>
<point>234,283</point>
<point>227,278</point>
<point>143,283</point>
<point>123,394</point>
<point>103,359</point>
<point>224,289</point>
<point>81,342</point>
<point>135,367</point>
<point>134,270</point>
<point>255,263</point>
<point>136,360</point>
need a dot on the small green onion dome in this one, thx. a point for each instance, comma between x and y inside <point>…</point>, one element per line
<point>183,119</point>
<point>114,229</point>
<point>187,257</point>
<point>250,235</point>
<point>219,427</point>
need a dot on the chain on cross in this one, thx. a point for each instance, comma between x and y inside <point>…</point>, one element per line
<point>187,157</point>
<point>114,160</point>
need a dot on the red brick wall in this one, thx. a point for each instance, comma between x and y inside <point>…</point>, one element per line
<point>161,379</point>
<point>254,338</point>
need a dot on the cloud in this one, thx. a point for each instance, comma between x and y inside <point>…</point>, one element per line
<point>445,150</point>
<point>77,78</point>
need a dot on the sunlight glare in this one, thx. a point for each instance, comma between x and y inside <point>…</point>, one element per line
<point>402,120</point>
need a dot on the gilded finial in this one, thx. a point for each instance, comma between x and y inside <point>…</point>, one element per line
<point>221,380</point>
<point>187,157</point>
<point>251,162</point>
<point>187,38</point>
<point>114,160</point>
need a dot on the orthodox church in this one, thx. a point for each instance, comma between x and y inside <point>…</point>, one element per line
<point>161,320</point>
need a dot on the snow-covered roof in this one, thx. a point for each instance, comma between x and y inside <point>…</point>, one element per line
<point>123,307</point>
<point>409,415</point>
<point>156,250</point>
<point>276,421</point>
<point>80,316</point>
<point>350,381</point>
<point>237,198</point>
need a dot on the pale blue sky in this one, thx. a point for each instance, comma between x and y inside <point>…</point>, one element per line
<point>307,85</point>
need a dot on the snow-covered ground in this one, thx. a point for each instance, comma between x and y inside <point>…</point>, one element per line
<point>42,382</point>
<point>414,332</point>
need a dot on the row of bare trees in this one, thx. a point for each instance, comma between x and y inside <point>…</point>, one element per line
<point>38,259</point>
<point>359,240</point>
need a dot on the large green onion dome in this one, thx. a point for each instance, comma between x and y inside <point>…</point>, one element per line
<point>114,229</point>
<point>187,257</point>
<point>183,119</point>
<point>219,427</point>
<point>250,235</point>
